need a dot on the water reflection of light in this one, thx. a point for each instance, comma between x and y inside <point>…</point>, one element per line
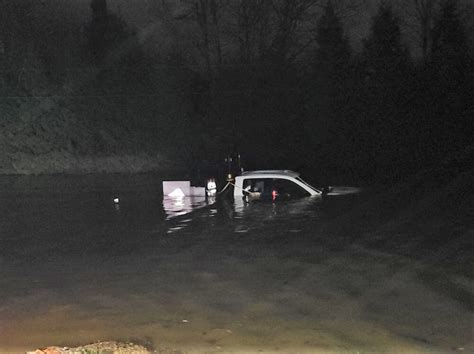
<point>246,211</point>
<point>178,203</point>
<point>116,201</point>
<point>344,190</point>
<point>177,193</point>
<point>179,206</point>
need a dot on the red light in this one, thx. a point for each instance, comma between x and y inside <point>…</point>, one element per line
<point>274,194</point>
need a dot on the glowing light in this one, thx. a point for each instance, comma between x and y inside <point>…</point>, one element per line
<point>274,194</point>
<point>211,187</point>
<point>177,193</point>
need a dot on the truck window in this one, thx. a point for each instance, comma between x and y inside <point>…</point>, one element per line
<point>288,189</point>
<point>282,188</point>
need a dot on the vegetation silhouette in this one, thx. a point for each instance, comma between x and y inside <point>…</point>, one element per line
<point>278,82</point>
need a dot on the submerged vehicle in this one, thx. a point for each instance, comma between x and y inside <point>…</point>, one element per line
<point>272,185</point>
<point>179,197</point>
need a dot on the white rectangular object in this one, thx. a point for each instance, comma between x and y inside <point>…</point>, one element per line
<point>197,192</point>
<point>170,186</point>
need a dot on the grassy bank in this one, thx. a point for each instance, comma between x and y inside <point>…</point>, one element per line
<point>65,162</point>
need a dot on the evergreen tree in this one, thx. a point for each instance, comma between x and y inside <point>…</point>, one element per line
<point>329,91</point>
<point>451,79</point>
<point>384,51</point>
<point>450,47</point>
<point>333,50</point>
<point>387,82</point>
<point>98,27</point>
<point>105,30</point>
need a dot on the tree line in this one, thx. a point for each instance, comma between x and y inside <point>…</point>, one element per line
<point>282,82</point>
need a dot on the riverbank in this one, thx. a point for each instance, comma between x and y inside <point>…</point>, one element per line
<point>110,347</point>
<point>65,162</point>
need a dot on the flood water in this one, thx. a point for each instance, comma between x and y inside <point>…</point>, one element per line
<point>77,267</point>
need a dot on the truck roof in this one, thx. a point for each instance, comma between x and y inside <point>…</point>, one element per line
<point>271,172</point>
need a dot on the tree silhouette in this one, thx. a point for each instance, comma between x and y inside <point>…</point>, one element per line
<point>418,18</point>
<point>329,89</point>
<point>387,76</point>
<point>451,76</point>
<point>105,30</point>
<point>333,47</point>
<point>383,49</point>
<point>450,47</point>
<point>98,27</point>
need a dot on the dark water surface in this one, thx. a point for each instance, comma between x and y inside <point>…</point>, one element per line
<point>77,267</point>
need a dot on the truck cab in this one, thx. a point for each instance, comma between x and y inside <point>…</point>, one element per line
<point>272,185</point>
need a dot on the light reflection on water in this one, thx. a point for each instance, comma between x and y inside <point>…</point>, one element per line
<point>65,243</point>
<point>72,222</point>
<point>77,267</point>
<point>242,216</point>
<point>119,206</point>
<point>174,207</point>
<point>102,217</point>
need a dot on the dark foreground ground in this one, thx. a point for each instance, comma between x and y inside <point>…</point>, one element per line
<point>386,271</point>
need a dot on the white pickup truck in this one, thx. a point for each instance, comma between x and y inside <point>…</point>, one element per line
<point>273,184</point>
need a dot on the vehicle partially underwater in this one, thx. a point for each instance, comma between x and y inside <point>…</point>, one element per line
<point>273,186</point>
<point>179,197</point>
<point>253,185</point>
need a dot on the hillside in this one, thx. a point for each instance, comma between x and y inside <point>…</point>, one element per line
<point>45,136</point>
